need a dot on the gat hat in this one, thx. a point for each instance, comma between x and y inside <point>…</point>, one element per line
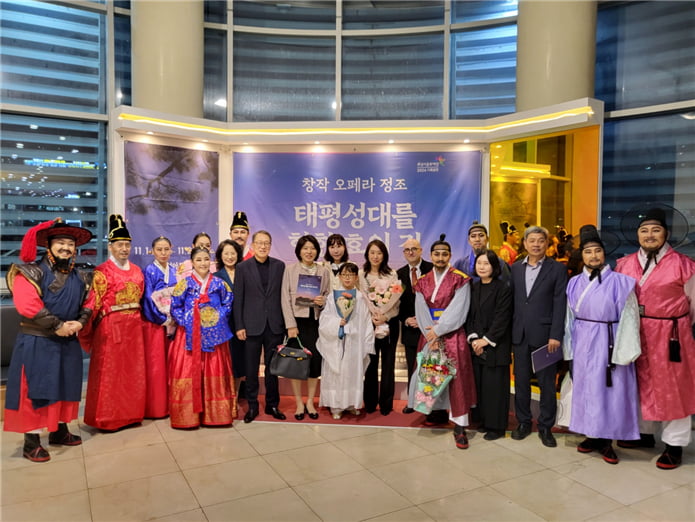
<point>654,214</point>
<point>589,234</point>
<point>475,225</point>
<point>117,229</point>
<point>440,242</point>
<point>42,234</point>
<point>507,228</point>
<point>240,221</point>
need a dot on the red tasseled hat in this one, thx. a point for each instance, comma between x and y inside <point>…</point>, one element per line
<point>28,250</point>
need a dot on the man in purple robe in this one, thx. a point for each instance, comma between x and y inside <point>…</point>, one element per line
<point>602,340</point>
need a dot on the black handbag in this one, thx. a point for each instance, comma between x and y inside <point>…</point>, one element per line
<point>291,360</point>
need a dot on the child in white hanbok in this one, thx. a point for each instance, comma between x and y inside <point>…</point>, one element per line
<point>346,338</point>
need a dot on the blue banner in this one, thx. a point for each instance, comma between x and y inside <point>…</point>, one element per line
<point>170,192</point>
<point>392,196</point>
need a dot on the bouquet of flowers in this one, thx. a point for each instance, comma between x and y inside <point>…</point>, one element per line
<point>383,295</point>
<point>345,304</point>
<point>435,372</point>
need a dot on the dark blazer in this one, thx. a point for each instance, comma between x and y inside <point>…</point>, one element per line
<point>491,317</point>
<point>407,307</point>
<point>541,315</point>
<point>253,307</point>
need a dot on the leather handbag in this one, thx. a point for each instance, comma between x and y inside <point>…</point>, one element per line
<point>291,360</point>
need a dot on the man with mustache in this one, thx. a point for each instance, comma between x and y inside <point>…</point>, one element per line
<point>666,369</point>
<point>44,383</point>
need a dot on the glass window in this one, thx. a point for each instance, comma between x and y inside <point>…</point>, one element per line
<point>52,56</point>
<point>393,77</point>
<point>215,11</point>
<point>483,72</point>
<point>358,14</point>
<point>645,53</point>
<point>288,14</point>
<point>648,160</point>
<point>215,85</point>
<point>283,78</point>
<point>123,77</point>
<point>467,11</point>
<point>52,168</point>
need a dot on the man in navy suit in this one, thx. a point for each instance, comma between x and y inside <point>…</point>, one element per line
<point>258,317</point>
<point>410,333</point>
<point>539,318</point>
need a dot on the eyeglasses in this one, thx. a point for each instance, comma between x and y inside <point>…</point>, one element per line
<point>411,250</point>
<point>262,243</point>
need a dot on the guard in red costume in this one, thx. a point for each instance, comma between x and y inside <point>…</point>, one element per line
<point>666,369</point>
<point>116,387</point>
<point>44,383</point>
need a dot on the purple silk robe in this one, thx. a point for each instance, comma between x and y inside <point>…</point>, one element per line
<point>598,410</point>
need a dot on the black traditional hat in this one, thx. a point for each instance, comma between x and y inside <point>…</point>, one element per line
<point>117,229</point>
<point>42,234</point>
<point>440,242</point>
<point>507,228</point>
<point>477,225</point>
<point>654,214</point>
<point>240,220</point>
<point>589,234</point>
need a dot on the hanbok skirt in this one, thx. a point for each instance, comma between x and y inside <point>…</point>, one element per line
<point>208,403</point>
<point>156,348</point>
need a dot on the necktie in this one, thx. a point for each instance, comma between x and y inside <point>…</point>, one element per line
<point>413,277</point>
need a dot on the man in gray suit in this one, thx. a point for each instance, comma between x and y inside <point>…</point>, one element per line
<point>539,284</point>
<point>258,317</point>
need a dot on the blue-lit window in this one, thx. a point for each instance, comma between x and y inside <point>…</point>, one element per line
<point>288,14</point>
<point>51,168</point>
<point>393,77</point>
<point>123,66</point>
<point>358,14</point>
<point>648,160</point>
<point>645,53</point>
<point>483,72</point>
<point>215,84</point>
<point>215,11</point>
<point>469,11</point>
<point>283,78</point>
<point>52,56</point>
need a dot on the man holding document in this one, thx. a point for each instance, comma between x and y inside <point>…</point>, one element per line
<point>539,284</point>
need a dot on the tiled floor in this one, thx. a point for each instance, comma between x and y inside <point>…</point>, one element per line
<point>289,471</point>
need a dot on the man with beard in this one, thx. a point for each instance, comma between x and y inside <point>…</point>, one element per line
<point>602,340</point>
<point>441,305</point>
<point>116,387</point>
<point>44,383</point>
<point>478,240</point>
<point>408,275</point>
<point>239,233</point>
<point>666,369</point>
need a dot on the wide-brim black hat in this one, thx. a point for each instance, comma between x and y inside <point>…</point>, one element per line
<point>80,235</point>
<point>674,221</point>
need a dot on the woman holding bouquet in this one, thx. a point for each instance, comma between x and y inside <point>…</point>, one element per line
<point>336,255</point>
<point>159,326</point>
<point>489,328</point>
<point>304,288</point>
<point>227,255</point>
<point>383,290</point>
<point>200,370</point>
<point>346,339</point>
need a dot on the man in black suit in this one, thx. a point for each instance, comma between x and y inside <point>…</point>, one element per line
<point>408,275</point>
<point>539,285</point>
<point>258,317</point>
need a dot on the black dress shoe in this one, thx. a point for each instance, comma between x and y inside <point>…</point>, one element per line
<point>277,414</point>
<point>408,410</point>
<point>547,437</point>
<point>250,415</point>
<point>313,416</point>
<point>299,416</point>
<point>522,431</point>
<point>493,434</point>
<point>385,412</point>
